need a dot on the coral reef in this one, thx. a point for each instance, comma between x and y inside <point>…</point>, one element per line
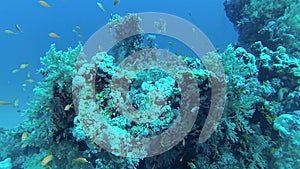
<point>287,154</point>
<point>259,127</point>
<point>274,23</point>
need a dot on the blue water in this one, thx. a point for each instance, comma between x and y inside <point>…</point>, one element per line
<point>37,21</point>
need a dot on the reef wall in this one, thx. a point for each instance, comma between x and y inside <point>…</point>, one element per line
<point>274,23</point>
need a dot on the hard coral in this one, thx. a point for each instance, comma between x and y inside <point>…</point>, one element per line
<point>273,23</point>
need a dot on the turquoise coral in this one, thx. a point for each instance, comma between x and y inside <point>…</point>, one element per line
<point>6,164</point>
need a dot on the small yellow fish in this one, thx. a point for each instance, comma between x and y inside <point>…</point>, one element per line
<point>29,80</point>
<point>9,32</point>
<point>24,145</point>
<point>81,159</point>
<point>265,83</point>
<point>243,88</point>
<point>15,70</point>
<point>193,30</point>
<point>181,158</point>
<point>182,57</point>
<point>68,107</point>
<point>18,28</point>
<point>74,31</point>
<point>53,35</point>
<point>77,27</point>
<point>100,48</point>
<point>191,165</point>
<point>44,4</point>
<point>4,102</point>
<point>101,6</point>
<point>28,75</point>
<point>24,65</point>
<point>47,159</point>
<point>24,136</point>
<point>116,2</point>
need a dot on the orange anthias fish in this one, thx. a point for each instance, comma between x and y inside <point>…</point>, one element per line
<point>44,4</point>
<point>81,159</point>
<point>24,136</point>
<point>54,35</point>
<point>47,159</point>
<point>4,102</point>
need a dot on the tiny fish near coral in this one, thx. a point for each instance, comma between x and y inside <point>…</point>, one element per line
<point>24,65</point>
<point>18,28</point>
<point>47,159</point>
<point>29,80</point>
<point>68,107</point>
<point>101,6</point>
<point>44,4</point>
<point>16,102</point>
<point>24,136</point>
<point>28,75</point>
<point>116,2</point>
<point>191,165</point>
<point>81,159</point>
<point>10,32</point>
<point>15,70</point>
<point>53,35</point>
<point>100,48</point>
